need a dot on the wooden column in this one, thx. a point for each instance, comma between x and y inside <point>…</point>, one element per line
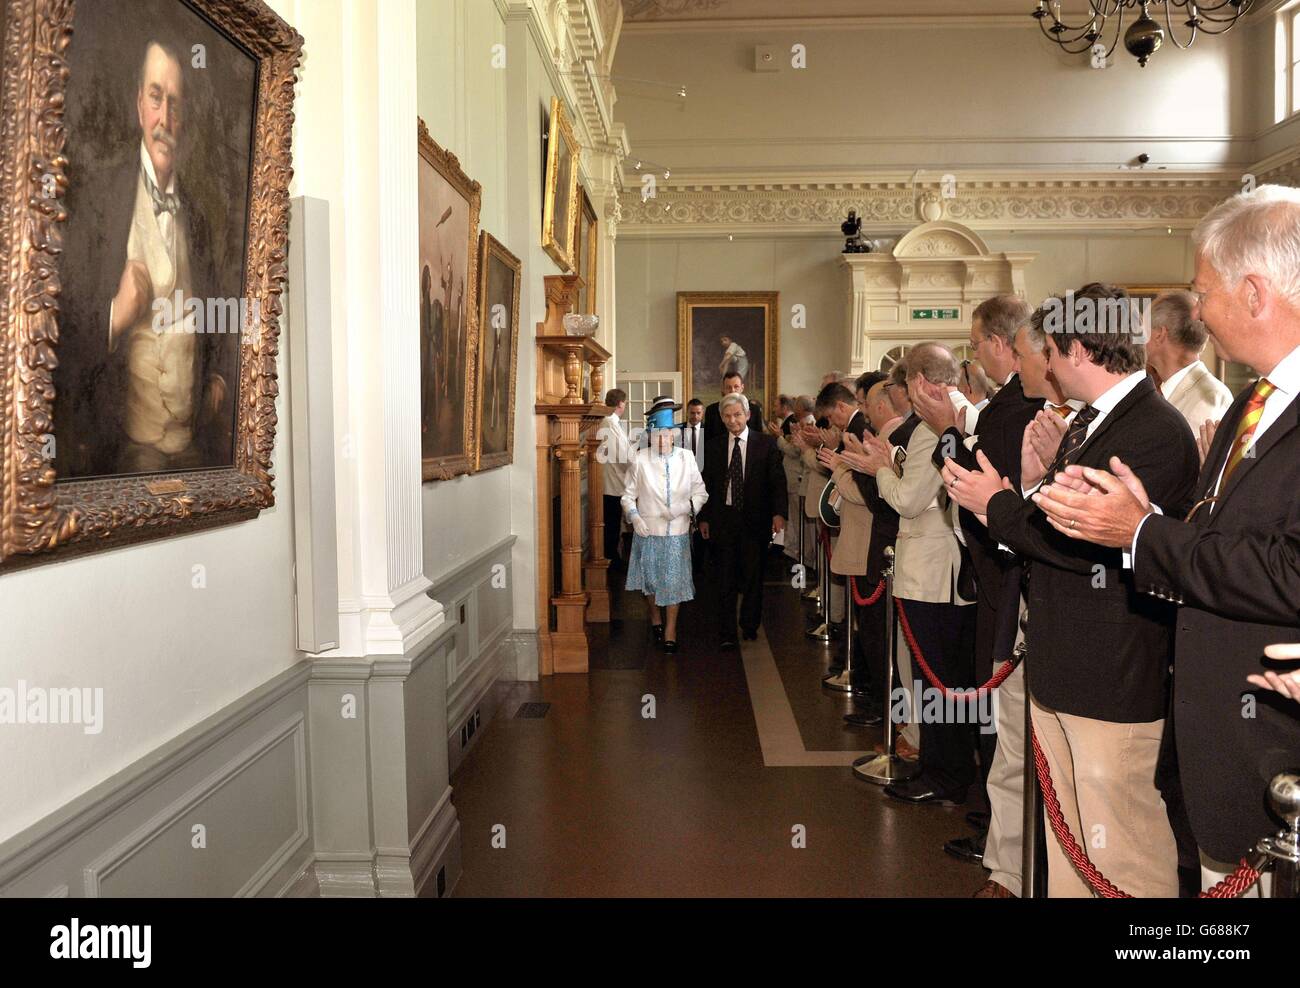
<point>565,427</point>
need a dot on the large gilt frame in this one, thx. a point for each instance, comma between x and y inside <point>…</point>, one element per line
<point>560,132</point>
<point>490,247</point>
<point>39,519</point>
<point>768,301</point>
<point>448,166</point>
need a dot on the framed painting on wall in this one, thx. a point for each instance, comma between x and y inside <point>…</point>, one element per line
<point>449,203</point>
<point>718,332</point>
<point>144,235</point>
<point>560,199</point>
<point>499,278</point>
<point>584,238</point>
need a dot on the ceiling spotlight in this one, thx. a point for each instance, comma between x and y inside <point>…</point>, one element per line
<point>637,165</point>
<point>681,91</point>
<point>666,174</point>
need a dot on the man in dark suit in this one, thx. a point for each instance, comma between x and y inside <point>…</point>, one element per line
<point>1233,569</point>
<point>141,386</point>
<point>747,505</point>
<point>999,431</point>
<point>1100,649</point>
<point>732,384</point>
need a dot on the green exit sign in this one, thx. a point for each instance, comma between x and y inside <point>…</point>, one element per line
<point>936,313</point>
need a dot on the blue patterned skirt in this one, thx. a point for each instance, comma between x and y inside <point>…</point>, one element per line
<point>661,565</point>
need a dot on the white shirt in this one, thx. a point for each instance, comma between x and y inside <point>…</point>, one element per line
<point>1176,378</point>
<point>743,440</point>
<point>693,440</point>
<point>1285,378</point>
<point>615,453</point>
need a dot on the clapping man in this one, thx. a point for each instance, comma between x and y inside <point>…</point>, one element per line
<point>1233,567</point>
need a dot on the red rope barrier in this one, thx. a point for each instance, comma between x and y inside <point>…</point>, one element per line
<point>1232,886</point>
<point>999,677</point>
<point>862,601</point>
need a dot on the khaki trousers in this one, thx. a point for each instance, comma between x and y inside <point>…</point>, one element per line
<point>1104,776</point>
<point>1004,848</point>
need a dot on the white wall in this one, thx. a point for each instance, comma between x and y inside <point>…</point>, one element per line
<point>462,99</point>
<point>928,97</point>
<point>131,621</point>
<point>651,270</point>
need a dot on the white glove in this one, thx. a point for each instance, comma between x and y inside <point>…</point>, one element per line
<point>640,526</point>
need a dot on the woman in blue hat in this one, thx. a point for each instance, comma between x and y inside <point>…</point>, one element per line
<point>663,494</point>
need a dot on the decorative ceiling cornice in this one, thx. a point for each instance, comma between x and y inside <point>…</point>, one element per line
<point>1011,201</point>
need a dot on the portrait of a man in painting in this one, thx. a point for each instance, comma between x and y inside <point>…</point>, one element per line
<point>151,314</point>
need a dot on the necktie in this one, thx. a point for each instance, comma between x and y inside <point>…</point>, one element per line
<point>1062,410</point>
<point>1246,427</point>
<point>1074,437</point>
<point>163,202</point>
<point>736,475</point>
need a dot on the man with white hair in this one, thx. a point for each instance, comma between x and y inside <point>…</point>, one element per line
<point>1174,350</point>
<point>1233,566</point>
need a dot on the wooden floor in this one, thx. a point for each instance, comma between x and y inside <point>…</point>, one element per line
<point>598,800</point>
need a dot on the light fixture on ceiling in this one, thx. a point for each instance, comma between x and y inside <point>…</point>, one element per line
<point>1144,35</point>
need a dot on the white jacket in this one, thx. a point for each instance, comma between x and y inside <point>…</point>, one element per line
<point>666,489</point>
<point>615,452</point>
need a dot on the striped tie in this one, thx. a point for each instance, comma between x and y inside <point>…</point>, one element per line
<point>1246,427</point>
<point>1074,438</point>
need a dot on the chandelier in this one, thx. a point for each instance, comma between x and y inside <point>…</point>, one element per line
<point>1144,35</point>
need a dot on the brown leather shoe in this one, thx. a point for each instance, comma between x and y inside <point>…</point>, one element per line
<point>992,890</point>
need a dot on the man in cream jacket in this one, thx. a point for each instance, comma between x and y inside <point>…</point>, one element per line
<point>927,565</point>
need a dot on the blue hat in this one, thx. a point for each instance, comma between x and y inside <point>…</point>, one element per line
<point>660,413</point>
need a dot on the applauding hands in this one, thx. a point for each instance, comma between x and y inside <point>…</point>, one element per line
<point>1038,448</point>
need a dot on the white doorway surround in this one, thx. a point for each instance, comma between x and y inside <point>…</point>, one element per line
<point>925,289</point>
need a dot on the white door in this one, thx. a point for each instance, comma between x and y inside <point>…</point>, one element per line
<point>642,388</point>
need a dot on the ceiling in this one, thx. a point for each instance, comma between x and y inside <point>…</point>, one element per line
<point>732,10</point>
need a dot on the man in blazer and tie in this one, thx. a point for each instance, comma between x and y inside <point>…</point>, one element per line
<point>1174,350</point>
<point>693,431</point>
<point>747,505</point>
<point>732,384</point>
<point>1233,568</point>
<point>1100,650</point>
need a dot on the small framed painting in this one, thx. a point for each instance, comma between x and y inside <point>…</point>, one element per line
<point>558,207</point>
<point>499,278</point>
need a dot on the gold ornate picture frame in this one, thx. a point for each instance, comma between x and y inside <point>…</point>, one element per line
<point>748,323</point>
<point>559,207</point>
<point>586,253</point>
<point>500,281</point>
<point>56,497</point>
<point>449,204</point>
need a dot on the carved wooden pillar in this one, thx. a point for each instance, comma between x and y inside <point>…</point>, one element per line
<point>565,423</point>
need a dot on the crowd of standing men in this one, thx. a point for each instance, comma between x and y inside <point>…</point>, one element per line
<point>1085,493</point>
